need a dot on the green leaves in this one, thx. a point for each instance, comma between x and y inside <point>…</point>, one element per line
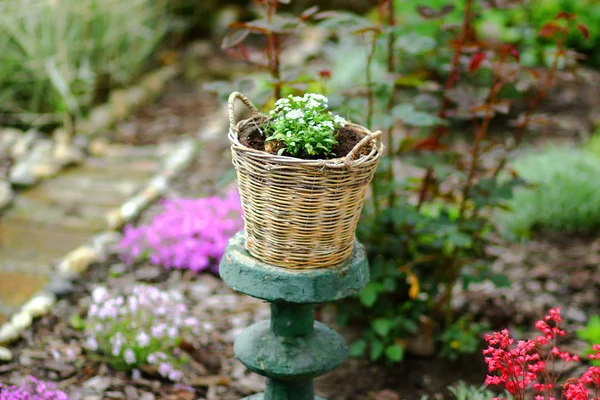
<point>368,296</point>
<point>357,348</point>
<point>303,127</point>
<point>383,326</point>
<point>394,353</point>
<point>407,114</point>
<point>591,334</point>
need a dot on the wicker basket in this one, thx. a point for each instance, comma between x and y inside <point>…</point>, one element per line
<point>300,213</point>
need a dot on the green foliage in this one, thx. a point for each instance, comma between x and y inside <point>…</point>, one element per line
<point>426,233</point>
<point>461,337</point>
<point>591,334</point>
<point>303,126</point>
<point>593,145</point>
<point>56,54</point>
<point>143,328</point>
<point>519,24</point>
<point>564,193</point>
<point>463,391</point>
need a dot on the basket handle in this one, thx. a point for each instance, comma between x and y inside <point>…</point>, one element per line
<point>358,147</point>
<point>232,97</point>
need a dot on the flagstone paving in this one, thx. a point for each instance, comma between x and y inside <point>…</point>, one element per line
<point>62,213</point>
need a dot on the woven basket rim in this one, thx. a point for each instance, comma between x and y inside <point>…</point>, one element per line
<point>338,162</point>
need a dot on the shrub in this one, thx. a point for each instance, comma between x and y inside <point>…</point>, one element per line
<point>57,53</point>
<point>187,234</point>
<point>144,327</point>
<point>564,196</point>
<point>303,126</point>
<point>426,235</point>
<point>32,389</point>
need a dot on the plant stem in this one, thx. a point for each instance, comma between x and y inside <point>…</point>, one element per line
<point>465,36</point>
<point>273,51</point>
<point>370,107</point>
<point>391,67</point>
<point>533,104</point>
<point>368,72</point>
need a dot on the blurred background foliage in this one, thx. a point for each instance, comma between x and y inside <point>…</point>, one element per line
<point>431,74</point>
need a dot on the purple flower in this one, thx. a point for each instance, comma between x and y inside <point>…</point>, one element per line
<point>188,234</point>
<point>32,389</point>
<point>144,326</point>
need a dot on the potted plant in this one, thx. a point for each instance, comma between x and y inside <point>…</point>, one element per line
<point>302,173</point>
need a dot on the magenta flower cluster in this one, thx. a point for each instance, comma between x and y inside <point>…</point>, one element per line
<point>32,389</point>
<point>144,327</point>
<point>188,234</point>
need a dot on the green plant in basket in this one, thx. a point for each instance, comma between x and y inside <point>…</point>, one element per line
<point>303,127</point>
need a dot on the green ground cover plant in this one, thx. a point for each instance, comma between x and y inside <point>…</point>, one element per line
<point>58,55</point>
<point>563,193</point>
<point>140,328</point>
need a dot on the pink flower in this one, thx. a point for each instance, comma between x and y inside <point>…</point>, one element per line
<point>188,234</point>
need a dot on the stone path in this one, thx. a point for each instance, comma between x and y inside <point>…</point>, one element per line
<point>62,213</point>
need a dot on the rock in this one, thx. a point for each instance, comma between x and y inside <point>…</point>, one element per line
<point>66,154</point>
<point>21,175</point>
<point>119,104</point>
<point>45,170</point>
<point>575,314</point>
<point>180,158</point>
<point>5,354</point>
<point>98,146</point>
<point>21,320</point>
<point>8,333</point>
<point>115,219</point>
<point>38,164</point>
<point>117,270</point>
<point>39,304</point>
<point>159,183</point>
<point>136,96</point>
<point>78,260</point>
<point>6,194</point>
<point>81,141</point>
<point>147,396</point>
<point>104,242</point>
<point>153,84</point>
<point>100,119</point>
<point>8,137</point>
<point>60,286</point>
<point>98,384</point>
<point>148,273</point>
<point>20,149</point>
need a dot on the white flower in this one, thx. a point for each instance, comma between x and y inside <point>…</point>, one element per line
<point>175,375</point>
<point>294,114</point>
<point>143,339</point>
<point>129,356</point>
<point>99,294</point>
<point>92,343</point>
<point>172,332</point>
<point>339,120</point>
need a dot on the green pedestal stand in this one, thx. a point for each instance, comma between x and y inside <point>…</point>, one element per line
<point>291,349</point>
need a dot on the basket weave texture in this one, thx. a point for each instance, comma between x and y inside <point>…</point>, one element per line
<point>298,213</point>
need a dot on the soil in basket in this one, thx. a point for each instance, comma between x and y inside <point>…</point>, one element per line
<point>347,137</point>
